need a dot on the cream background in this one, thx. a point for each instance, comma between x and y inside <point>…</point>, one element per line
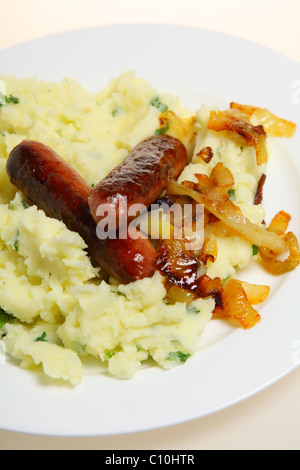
<point>270,419</point>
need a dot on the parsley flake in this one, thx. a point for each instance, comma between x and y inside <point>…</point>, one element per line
<point>178,356</point>
<point>15,243</point>
<point>4,317</point>
<point>162,130</point>
<point>231,193</point>
<point>109,354</point>
<point>41,338</point>
<point>8,99</point>
<point>121,294</point>
<point>159,105</point>
<point>192,309</point>
<point>12,99</point>
<point>24,204</point>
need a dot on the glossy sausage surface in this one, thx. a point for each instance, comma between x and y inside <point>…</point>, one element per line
<point>141,178</point>
<point>56,188</point>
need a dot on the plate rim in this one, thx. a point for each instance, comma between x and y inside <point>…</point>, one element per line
<point>151,25</point>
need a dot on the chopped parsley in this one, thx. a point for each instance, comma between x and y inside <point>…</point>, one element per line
<point>178,356</point>
<point>16,242</point>
<point>4,317</point>
<point>8,99</point>
<point>159,105</point>
<point>162,130</point>
<point>231,193</point>
<point>41,338</point>
<point>255,250</point>
<point>121,293</point>
<point>12,99</point>
<point>117,112</point>
<point>109,354</point>
<point>24,204</point>
<point>192,309</point>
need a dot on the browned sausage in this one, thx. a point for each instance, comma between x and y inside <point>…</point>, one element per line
<point>141,178</point>
<point>51,184</point>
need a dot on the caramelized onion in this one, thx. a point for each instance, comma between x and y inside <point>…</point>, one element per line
<point>204,182</point>
<point>210,249</point>
<point>206,154</point>
<point>259,192</point>
<point>256,294</point>
<point>208,287</point>
<point>177,265</point>
<point>179,294</point>
<point>237,305</point>
<point>222,176</point>
<point>182,129</point>
<point>278,267</point>
<point>231,215</point>
<point>272,124</point>
<point>238,125</point>
<point>279,225</point>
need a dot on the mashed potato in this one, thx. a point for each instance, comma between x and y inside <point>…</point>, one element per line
<point>55,305</point>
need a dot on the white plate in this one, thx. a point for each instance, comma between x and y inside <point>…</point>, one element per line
<point>233,364</point>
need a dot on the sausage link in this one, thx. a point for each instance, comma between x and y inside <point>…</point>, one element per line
<point>141,178</point>
<point>56,188</point>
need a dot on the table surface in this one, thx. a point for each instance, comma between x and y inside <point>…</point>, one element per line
<point>270,419</point>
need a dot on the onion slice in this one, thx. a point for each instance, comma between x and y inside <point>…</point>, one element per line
<point>210,249</point>
<point>273,125</point>
<point>279,225</point>
<point>237,305</point>
<point>231,215</point>
<point>240,129</point>
<point>182,129</point>
<point>256,294</point>
<point>278,267</point>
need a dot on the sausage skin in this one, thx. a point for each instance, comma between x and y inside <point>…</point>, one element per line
<point>141,178</point>
<point>56,188</point>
